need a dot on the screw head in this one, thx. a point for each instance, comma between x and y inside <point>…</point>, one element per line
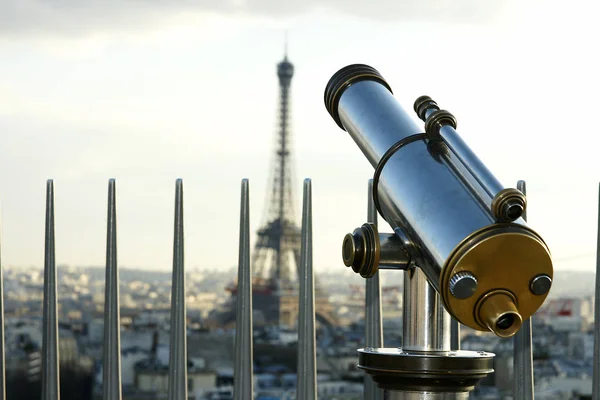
<point>540,284</point>
<point>463,285</point>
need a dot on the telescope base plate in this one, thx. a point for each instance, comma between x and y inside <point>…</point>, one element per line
<point>408,370</point>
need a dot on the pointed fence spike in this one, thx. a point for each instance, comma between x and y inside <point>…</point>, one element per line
<point>178,345</point>
<point>50,365</point>
<point>596,377</point>
<point>454,335</point>
<point>243,373</point>
<point>2,351</point>
<point>307,355</point>
<point>111,368</point>
<point>373,315</point>
<point>522,350</point>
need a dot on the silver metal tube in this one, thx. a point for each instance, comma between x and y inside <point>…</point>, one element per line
<point>50,364</point>
<point>307,356</point>
<point>111,368</point>
<point>480,172</point>
<point>596,378</point>
<point>463,174</point>
<point>178,340</point>
<point>426,324</point>
<point>393,395</point>
<point>469,160</point>
<point>243,373</point>
<point>426,200</point>
<point>2,351</point>
<point>373,322</point>
<point>523,387</point>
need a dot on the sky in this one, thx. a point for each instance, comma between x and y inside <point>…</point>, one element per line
<point>148,91</point>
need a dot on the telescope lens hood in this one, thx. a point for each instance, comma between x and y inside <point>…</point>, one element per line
<point>342,80</point>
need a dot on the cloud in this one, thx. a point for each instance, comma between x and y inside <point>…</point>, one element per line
<point>75,17</point>
<point>72,17</point>
<point>400,10</point>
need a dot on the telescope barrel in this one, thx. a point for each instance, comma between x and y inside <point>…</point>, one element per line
<point>434,189</point>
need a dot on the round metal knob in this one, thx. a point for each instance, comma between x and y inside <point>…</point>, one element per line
<point>540,284</point>
<point>463,285</point>
<point>361,250</point>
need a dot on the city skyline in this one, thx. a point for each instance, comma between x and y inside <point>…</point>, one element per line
<point>147,95</point>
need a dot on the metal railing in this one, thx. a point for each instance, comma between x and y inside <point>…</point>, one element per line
<point>243,383</point>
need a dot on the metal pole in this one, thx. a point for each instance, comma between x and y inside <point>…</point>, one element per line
<point>373,322</point>
<point>178,345</point>
<point>111,368</point>
<point>522,350</point>
<point>426,328</point>
<point>426,324</point>
<point>454,334</point>
<point>2,357</point>
<point>50,365</point>
<point>307,356</point>
<point>243,378</point>
<point>596,379</point>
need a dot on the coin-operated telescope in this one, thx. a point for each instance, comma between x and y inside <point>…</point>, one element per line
<point>458,233</point>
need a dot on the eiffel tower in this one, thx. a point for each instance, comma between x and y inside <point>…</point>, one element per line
<point>276,257</point>
<point>278,243</point>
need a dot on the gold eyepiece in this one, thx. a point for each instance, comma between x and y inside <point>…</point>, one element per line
<point>499,313</point>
